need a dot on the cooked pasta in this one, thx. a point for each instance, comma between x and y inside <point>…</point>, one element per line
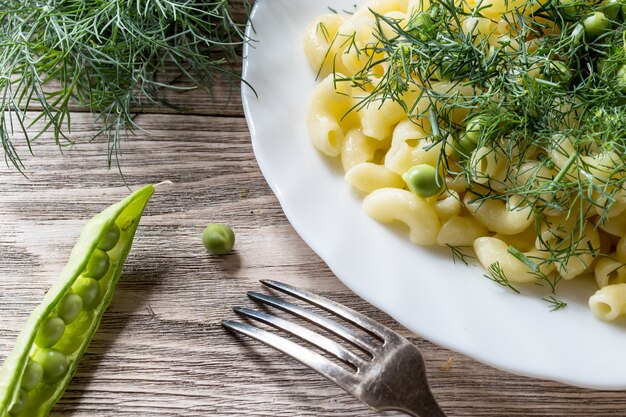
<point>608,303</point>
<point>474,125</point>
<point>395,204</point>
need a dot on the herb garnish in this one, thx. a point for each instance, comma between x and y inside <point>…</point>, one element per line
<point>497,275</point>
<point>458,253</point>
<point>555,303</point>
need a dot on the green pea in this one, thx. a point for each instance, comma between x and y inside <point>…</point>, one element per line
<point>50,332</point>
<point>465,145</point>
<point>19,405</point>
<point>422,20</point>
<point>406,52</point>
<point>89,290</point>
<point>98,264</point>
<point>474,127</point>
<point>32,375</point>
<point>423,180</point>
<point>559,72</point>
<point>596,24</point>
<point>110,238</point>
<point>612,8</point>
<point>420,27</point>
<point>54,364</point>
<point>70,307</point>
<point>218,239</point>
<point>567,6</point>
<point>449,69</point>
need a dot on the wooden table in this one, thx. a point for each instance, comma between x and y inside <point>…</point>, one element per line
<point>160,350</point>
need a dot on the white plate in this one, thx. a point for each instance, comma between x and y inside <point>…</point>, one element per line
<point>451,305</point>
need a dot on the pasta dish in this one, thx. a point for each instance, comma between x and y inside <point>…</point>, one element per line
<point>491,127</point>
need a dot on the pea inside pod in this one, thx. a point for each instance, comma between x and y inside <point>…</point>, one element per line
<point>54,364</point>
<point>50,331</point>
<point>70,307</point>
<point>110,238</point>
<point>98,264</point>
<point>19,404</point>
<point>33,374</point>
<point>48,350</point>
<point>88,290</point>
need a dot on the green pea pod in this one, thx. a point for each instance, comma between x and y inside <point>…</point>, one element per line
<point>47,351</point>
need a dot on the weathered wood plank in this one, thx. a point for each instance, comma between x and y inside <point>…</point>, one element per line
<point>161,350</point>
<point>224,98</point>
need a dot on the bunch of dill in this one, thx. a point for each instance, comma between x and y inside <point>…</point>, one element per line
<point>112,57</point>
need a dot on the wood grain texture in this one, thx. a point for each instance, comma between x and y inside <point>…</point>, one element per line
<point>161,350</point>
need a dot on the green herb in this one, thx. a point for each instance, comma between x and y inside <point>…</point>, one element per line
<point>555,303</point>
<point>113,57</point>
<point>497,275</point>
<point>524,259</point>
<point>533,265</point>
<point>460,255</point>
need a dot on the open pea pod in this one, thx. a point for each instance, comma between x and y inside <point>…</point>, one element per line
<point>47,351</point>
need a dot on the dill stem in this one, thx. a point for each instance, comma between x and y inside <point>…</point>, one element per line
<point>566,167</point>
<point>434,124</point>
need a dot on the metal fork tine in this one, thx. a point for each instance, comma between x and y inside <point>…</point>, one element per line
<point>307,357</point>
<point>344,312</point>
<point>343,332</point>
<point>303,333</point>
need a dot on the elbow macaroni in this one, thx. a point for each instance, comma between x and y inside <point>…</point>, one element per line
<point>368,177</point>
<point>377,143</point>
<point>609,302</point>
<point>394,204</point>
<point>320,40</point>
<point>329,116</point>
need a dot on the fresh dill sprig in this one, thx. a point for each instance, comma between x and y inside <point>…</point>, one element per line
<point>460,255</point>
<point>111,57</point>
<point>535,265</point>
<point>555,303</point>
<point>496,274</point>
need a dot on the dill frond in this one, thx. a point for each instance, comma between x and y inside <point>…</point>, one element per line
<point>459,254</point>
<point>554,303</point>
<point>497,275</point>
<point>111,57</point>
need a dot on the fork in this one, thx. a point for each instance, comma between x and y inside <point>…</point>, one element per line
<point>392,378</point>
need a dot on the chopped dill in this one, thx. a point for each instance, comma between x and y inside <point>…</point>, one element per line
<point>496,274</point>
<point>321,27</point>
<point>460,255</point>
<point>555,303</point>
<point>549,281</point>
<point>523,259</point>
